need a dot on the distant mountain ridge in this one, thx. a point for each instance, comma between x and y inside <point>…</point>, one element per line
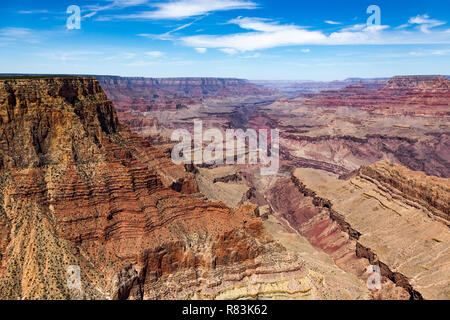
<point>292,88</point>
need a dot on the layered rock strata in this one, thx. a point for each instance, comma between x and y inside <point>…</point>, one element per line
<point>145,94</point>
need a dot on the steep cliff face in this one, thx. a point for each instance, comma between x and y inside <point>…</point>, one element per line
<point>78,190</point>
<point>431,192</point>
<point>39,117</point>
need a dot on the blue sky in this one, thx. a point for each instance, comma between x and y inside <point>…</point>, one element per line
<point>253,39</point>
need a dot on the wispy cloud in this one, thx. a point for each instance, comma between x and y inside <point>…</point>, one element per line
<point>265,34</point>
<point>10,35</point>
<point>423,22</point>
<point>65,56</point>
<point>355,27</point>
<point>229,50</point>
<point>332,22</point>
<point>253,56</point>
<point>181,9</point>
<point>154,54</point>
<point>201,50</point>
<point>430,53</point>
<point>14,32</point>
<point>113,5</point>
<point>33,11</point>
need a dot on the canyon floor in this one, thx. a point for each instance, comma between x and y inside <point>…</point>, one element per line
<point>87,180</point>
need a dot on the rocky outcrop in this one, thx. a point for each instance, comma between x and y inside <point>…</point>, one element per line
<point>433,193</point>
<point>90,210</point>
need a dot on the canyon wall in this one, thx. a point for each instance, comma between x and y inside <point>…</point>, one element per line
<point>145,94</point>
<point>405,95</point>
<point>406,122</point>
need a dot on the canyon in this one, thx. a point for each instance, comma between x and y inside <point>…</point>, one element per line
<point>87,180</point>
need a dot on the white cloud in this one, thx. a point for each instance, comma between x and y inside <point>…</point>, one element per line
<point>33,11</point>
<point>403,26</point>
<point>417,54</point>
<point>332,22</point>
<point>184,26</point>
<point>440,52</point>
<point>201,50</point>
<point>424,22</point>
<point>140,63</point>
<point>181,9</point>
<point>15,32</point>
<point>229,50</point>
<point>9,35</point>
<point>355,27</point>
<point>268,35</point>
<point>128,55</point>
<point>114,5</point>
<point>425,19</point>
<point>264,34</point>
<point>430,53</point>
<point>147,35</point>
<point>155,54</point>
<point>253,56</point>
<point>71,55</point>
<point>306,50</point>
